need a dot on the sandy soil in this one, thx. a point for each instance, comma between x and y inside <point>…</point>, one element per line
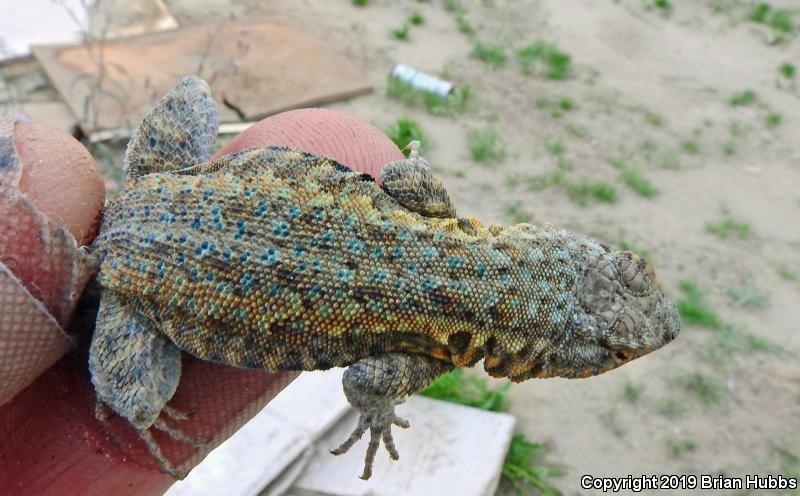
<point>644,83</point>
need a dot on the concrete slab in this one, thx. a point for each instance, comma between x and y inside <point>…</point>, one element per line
<point>449,449</point>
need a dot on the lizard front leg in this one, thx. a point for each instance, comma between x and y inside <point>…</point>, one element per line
<point>411,183</point>
<point>135,371</point>
<point>374,386</point>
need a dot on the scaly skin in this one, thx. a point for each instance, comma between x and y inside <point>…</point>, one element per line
<point>282,260</point>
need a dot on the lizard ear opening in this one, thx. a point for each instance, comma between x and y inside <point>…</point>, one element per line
<point>178,132</point>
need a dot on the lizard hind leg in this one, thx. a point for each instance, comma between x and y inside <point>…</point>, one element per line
<point>412,184</point>
<point>135,370</point>
<point>374,386</point>
<point>178,132</point>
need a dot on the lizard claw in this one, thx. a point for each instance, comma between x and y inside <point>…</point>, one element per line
<point>380,428</point>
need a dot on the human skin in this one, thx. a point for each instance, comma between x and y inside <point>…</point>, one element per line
<point>50,441</point>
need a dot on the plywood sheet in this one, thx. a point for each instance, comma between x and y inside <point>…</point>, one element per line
<point>255,69</point>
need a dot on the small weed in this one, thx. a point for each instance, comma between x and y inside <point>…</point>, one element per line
<point>452,5</point>
<point>538,183</point>
<point>416,19</point>
<point>494,55</point>
<point>401,33</point>
<point>515,213</point>
<point>556,148</point>
<point>669,160</point>
<point>790,463</point>
<point>566,104</point>
<point>787,70</point>
<point>670,407</point>
<point>728,227</point>
<point>748,296</point>
<point>757,343</point>
<point>664,5</point>
<point>707,389</point>
<point>637,182</point>
<point>456,102</point>
<point>691,146</point>
<point>693,308</point>
<point>676,448</point>
<point>654,119</point>
<point>360,3</point>
<point>729,148</point>
<point>544,59</point>
<point>577,131</point>
<point>463,24</point>
<point>632,392</point>
<point>582,192</point>
<point>778,19</point>
<point>485,145</point>
<point>525,469</point>
<point>470,391</point>
<point>787,274</point>
<point>773,119</point>
<point>743,99</point>
<point>406,130</point>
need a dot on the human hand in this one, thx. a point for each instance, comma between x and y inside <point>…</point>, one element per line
<point>50,442</point>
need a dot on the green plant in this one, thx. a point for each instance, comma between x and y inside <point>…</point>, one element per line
<point>485,145</point>
<point>360,3</point>
<point>416,19</point>
<point>707,389</point>
<point>744,98</point>
<point>786,273</point>
<point>456,102</point>
<point>582,192</point>
<point>654,119</point>
<point>545,59</point>
<point>515,213</point>
<point>728,226</point>
<point>787,70</point>
<point>463,24</point>
<point>556,148</point>
<point>773,119</point>
<point>669,160</point>
<point>780,20</point>
<point>540,182</point>
<point>748,296</point>
<point>470,391</point>
<point>664,5</point>
<point>637,182</point>
<point>525,468</point>
<point>691,146</point>
<point>405,130</point>
<point>679,447</point>
<point>452,5</point>
<point>494,55</point>
<point>632,392</point>
<point>401,33</point>
<point>693,307</point>
<point>670,407</point>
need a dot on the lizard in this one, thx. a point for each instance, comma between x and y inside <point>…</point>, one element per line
<point>279,259</point>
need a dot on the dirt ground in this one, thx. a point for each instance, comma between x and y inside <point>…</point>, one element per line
<point>654,93</point>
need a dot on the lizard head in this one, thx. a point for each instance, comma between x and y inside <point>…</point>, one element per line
<point>620,313</point>
<point>611,312</point>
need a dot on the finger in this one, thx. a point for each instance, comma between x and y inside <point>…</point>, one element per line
<point>74,454</point>
<point>42,271</point>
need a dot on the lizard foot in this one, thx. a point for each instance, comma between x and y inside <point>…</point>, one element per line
<point>379,424</point>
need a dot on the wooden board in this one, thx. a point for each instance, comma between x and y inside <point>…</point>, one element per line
<point>255,69</point>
